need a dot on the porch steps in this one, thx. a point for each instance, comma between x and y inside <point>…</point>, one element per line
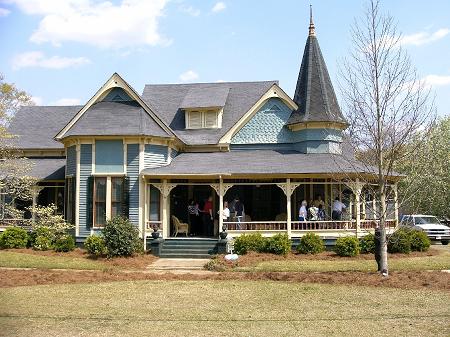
<point>194,248</point>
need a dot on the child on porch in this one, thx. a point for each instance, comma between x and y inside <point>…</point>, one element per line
<point>303,212</point>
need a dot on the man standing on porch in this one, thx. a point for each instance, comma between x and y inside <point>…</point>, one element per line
<point>239,209</point>
<point>338,208</point>
<point>208,217</point>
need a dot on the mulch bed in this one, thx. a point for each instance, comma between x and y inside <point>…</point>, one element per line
<point>404,280</point>
<point>134,262</point>
<point>252,258</point>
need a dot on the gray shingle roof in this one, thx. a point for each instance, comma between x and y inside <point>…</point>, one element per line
<point>205,97</point>
<point>314,93</point>
<point>48,168</point>
<point>167,99</point>
<point>257,162</point>
<point>35,126</point>
<point>116,119</point>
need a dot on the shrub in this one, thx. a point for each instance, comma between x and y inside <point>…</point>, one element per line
<point>95,245</point>
<point>420,242</point>
<point>399,242</point>
<point>44,238</point>
<point>311,244</point>
<point>367,244</point>
<point>249,242</point>
<point>64,243</point>
<point>279,244</point>
<point>347,246</point>
<point>215,264</point>
<point>14,237</point>
<point>121,237</point>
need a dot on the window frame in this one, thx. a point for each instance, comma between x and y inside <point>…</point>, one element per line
<point>203,119</point>
<point>94,202</point>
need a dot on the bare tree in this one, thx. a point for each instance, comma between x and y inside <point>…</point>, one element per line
<point>387,105</point>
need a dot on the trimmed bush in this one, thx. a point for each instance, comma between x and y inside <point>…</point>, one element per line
<point>347,246</point>
<point>420,242</point>
<point>249,242</point>
<point>279,244</point>
<point>311,244</point>
<point>64,243</point>
<point>95,245</point>
<point>399,242</point>
<point>14,237</point>
<point>121,237</point>
<point>44,238</point>
<point>367,244</point>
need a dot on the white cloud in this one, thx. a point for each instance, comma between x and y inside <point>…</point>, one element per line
<point>38,59</point>
<point>188,76</point>
<point>99,23</point>
<point>436,80</point>
<point>4,12</point>
<point>37,100</point>
<point>422,38</point>
<point>67,101</point>
<point>218,7</point>
<point>190,10</point>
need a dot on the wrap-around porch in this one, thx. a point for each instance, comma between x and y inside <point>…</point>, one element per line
<point>271,206</point>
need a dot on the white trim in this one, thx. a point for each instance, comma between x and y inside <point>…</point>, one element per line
<point>93,157</point>
<point>108,198</point>
<point>141,182</point>
<point>115,81</point>
<point>117,174</point>
<point>125,152</point>
<point>77,194</point>
<point>274,92</point>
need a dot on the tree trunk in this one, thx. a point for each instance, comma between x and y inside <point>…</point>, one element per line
<point>383,241</point>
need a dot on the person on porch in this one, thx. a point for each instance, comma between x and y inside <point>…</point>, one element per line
<point>226,211</point>
<point>338,208</point>
<point>239,209</point>
<point>319,201</point>
<point>321,213</point>
<point>208,217</point>
<point>303,211</point>
<point>194,217</point>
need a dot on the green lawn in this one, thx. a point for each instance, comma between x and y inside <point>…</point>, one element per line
<point>23,260</point>
<point>221,308</point>
<point>436,262</point>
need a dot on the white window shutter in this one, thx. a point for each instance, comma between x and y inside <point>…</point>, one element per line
<point>210,119</point>
<point>195,119</point>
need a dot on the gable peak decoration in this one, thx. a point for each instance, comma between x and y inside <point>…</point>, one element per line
<point>314,93</point>
<point>113,83</point>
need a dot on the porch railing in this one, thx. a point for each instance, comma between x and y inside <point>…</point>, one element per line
<point>257,225</point>
<point>373,223</point>
<point>322,225</point>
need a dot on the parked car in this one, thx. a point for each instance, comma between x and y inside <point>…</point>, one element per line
<point>429,224</point>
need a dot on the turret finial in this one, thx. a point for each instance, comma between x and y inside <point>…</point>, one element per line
<point>312,29</point>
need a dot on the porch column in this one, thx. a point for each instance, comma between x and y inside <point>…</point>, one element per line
<point>395,204</point>
<point>165,213</point>
<point>374,207</point>
<point>357,191</point>
<point>288,206</point>
<point>220,204</point>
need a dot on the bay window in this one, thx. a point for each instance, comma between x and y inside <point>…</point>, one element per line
<point>109,199</point>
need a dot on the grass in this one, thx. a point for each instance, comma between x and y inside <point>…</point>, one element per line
<point>436,262</point>
<point>225,308</point>
<point>23,260</point>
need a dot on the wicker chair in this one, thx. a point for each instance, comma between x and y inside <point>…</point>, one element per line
<point>180,227</point>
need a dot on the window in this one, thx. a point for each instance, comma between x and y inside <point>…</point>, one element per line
<point>99,202</point>
<point>154,208</point>
<point>116,196</point>
<point>202,119</point>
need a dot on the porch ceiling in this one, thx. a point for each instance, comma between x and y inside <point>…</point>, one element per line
<point>259,162</point>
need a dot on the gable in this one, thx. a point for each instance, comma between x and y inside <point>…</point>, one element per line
<point>117,95</point>
<point>267,126</point>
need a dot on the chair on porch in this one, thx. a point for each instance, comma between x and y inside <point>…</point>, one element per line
<point>180,227</point>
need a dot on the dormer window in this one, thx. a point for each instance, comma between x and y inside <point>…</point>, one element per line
<point>203,119</point>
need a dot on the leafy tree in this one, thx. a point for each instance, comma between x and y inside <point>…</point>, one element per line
<point>14,181</point>
<point>426,186</point>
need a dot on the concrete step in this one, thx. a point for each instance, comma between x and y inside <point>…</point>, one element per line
<point>186,251</point>
<point>185,256</point>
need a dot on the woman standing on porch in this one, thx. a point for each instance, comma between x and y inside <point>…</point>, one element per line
<point>194,217</point>
<point>303,212</point>
<point>208,217</point>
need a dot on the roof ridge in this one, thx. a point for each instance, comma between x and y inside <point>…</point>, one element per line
<point>218,83</point>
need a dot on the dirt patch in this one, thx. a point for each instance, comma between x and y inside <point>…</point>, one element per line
<point>252,258</point>
<point>403,280</point>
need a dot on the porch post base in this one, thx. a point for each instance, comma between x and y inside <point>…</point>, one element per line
<point>156,246</point>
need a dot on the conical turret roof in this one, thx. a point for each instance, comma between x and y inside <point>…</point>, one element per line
<point>314,93</point>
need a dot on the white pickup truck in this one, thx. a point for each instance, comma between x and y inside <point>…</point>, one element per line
<point>428,224</point>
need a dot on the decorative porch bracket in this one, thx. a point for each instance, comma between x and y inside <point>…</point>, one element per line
<point>288,188</point>
<point>225,188</point>
<point>165,189</point>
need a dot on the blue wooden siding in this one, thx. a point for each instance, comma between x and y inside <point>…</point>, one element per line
<point>267,125</point>
<point>133,179</point>
<point>85,173</point>
<point>71,161</point>
<point>117,95</point>
<point>155,156</point>
<point>108,156</point>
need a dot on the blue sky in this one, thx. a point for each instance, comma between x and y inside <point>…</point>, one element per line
<point>61,52</point>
